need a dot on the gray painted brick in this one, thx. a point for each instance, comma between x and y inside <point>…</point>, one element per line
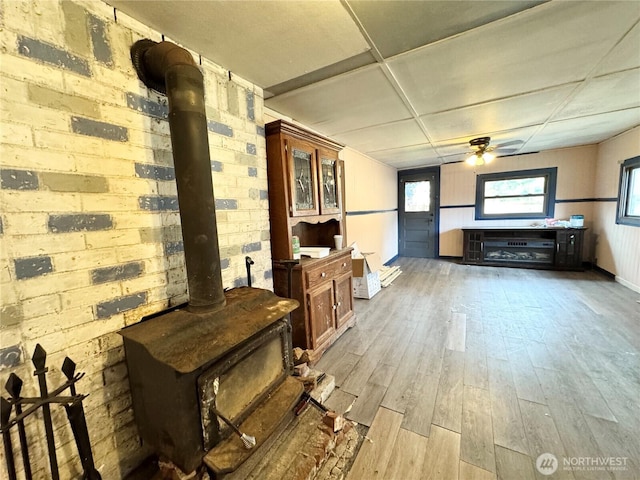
<point>100,41</point>
<point>32,267</point>
<point>246,159</point>
<point>253,171</point>
<point>268,274</point>
<point>221,128</point>
<point>260,130</point>
<point>94,128</point>
<point>117,272</point>
<point>158,203</point>
<point>251,247</point>
<point>217,166</point>
<point>72,182</point>
<point>226,204</point>
<point>155,172</point>
<point>79,222</point>
<point>171,248</point>
<point>10,356</point>
<point>239,282</point>
<point>11,315</point>
<point>66,102</point>
<point>230,251</point>
<point>122,304</point>
<point>144,105</point>
<point>251,113</point>
<point>76,32</point>
<point>18,180</point>
<point>264,194</point>
<point>32,48</point>
<point>251,149</point>
<point>224,263</point>
<point>163,157</point>
<point>170,233</point>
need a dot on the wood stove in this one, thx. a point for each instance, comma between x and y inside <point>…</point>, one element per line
<point>222,362</point>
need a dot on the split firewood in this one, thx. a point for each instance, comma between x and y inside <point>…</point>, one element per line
<point>333,421</point>
<point>301,370</point>
<point>300,356</point>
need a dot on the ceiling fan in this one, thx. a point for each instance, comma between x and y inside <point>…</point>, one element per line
<point>481,153</point>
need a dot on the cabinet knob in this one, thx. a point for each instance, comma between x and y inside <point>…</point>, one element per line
<point>339,303</point>
<point>323,274</point>
<point>344,264</point>
<point>335,306</point>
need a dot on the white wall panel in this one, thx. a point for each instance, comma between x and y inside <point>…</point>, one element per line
<point>617,246</point>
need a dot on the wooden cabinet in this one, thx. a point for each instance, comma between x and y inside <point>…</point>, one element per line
<point>552,248</point>
<point>306,193</point>
<point>569,249</point>
<point>306,188</point>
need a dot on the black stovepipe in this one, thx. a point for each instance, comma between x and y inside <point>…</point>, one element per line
<point>170,69</point>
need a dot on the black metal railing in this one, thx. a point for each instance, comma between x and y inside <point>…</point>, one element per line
<point>22,407</point>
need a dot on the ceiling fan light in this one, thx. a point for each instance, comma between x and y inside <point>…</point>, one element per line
<point>471,159</point>
<point>488,157</point>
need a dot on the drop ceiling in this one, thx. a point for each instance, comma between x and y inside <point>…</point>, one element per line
<point>409,83</point>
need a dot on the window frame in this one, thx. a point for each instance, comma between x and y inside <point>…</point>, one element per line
<point>629,165</point>
<point>551,175</point>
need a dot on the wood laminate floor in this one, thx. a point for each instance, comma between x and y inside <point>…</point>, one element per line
<point>473,373</point>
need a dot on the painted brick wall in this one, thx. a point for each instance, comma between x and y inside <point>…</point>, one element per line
<point>89,225</point>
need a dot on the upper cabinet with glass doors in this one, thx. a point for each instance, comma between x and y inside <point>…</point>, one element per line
<point>306,188</point>
<point>303,177</point>
<point>330,176</point>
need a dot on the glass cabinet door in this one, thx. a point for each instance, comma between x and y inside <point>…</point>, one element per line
<point>303,179</point>
<point>329,183</point>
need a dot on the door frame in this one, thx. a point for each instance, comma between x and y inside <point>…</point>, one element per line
<point>402,175</point>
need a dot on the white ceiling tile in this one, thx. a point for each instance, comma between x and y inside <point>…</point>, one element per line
<point>616,91</point>
<point>389,135</point>
<point>515,55</point>
<point>514,112</point>
<point>347,102</point>
<point>264,42</point>
<point>397,27</point>
<point>583,130</point>
<point>626,54</point>
<point>412,156</point>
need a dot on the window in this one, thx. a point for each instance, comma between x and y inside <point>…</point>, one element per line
<point>417,196</point>
<point>516,195</point>
<point>629,195</point>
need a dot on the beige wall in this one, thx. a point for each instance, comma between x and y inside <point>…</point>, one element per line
<point>371,204</point>
<point>617,247</point>
<point>576,176</point>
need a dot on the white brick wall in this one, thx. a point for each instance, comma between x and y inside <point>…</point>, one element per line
<point>38,99</point>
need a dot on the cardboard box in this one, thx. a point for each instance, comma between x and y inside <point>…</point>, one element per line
<point>366,280</point>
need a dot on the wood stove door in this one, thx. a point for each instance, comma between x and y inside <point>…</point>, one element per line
<point>239,381</point>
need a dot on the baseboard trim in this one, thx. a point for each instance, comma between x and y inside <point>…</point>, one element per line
<point>629,285</point>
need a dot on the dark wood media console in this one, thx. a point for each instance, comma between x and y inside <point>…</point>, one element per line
<point>528,247</point>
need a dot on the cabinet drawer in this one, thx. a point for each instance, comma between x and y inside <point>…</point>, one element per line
<point>327,272</point>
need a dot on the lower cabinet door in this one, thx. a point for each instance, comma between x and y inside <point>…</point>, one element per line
<point>321,313</point>
<point>344,298</point>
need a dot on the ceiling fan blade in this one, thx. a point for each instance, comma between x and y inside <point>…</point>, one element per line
<point>508,144</point>
<point>506,151</point>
